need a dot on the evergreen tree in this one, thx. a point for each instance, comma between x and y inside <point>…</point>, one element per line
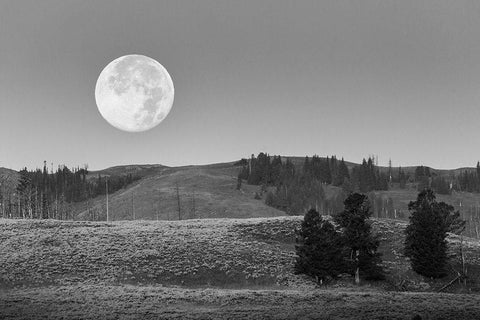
<point>477,171</point>
<point>319,248</point>
<point>425,242</point>
<point>343,170</point>
<point>440,185</point>
<point>402,178</point>
<point>364,260</point>
<point>239,182</point>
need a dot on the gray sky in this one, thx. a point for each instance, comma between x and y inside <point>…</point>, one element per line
<point>400,79</point>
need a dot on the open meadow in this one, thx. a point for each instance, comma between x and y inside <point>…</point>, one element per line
<point>208,269</point>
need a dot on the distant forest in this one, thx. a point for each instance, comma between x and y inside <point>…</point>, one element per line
<point>297,188</point>
<point>40,194</point>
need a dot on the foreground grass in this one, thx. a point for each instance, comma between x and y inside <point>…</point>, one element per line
<point>211,269</point>
<point>154,302</point>
<point>193,252</point>
<point>227,253</point>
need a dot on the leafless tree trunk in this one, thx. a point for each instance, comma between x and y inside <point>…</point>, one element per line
<point>193,204</point>
<point>41,205</point>
<point>56,204</point>
<point>357,270</point>
<point>106,191</point>
<point>464,267</point>
<point>159,204</point>
<point>133,206</point>
<point>178,202</point>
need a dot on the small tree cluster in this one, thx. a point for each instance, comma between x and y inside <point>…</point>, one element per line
<point>43,193</point>
<point>324,251</point>
<point>367,177</point>
<point>469,181</point>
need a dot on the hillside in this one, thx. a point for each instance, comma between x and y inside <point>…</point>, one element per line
<point>214,189</point>
<point>205,192</point>
<point>218,252</point>
<point>219,265</point>
<point>210,191</point>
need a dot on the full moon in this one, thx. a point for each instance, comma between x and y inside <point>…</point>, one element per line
<point>134,93</point>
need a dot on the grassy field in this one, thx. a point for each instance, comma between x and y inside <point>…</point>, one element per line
<point>209,268</point>
<point>156,302</point>
<point>210,191</point>
<point>205,192</point>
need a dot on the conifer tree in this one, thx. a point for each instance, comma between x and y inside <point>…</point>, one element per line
<point>343,170</point>
<point>364,260</point>
<point>425,242</point>
<point>319,248</point>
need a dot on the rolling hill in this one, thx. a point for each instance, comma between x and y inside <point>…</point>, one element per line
<point>210,191</point>
<point>204,191</point>
<point>208,268</point>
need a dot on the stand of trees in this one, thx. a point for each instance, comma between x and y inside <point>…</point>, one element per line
<point>367,177</point>
<point>294,189</point>
<point>325,251</point>
<point>467,180</point>
<point>40,194</point>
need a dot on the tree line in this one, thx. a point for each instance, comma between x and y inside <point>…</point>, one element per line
<point>347,245</point>
<point>44,194</point>
<point>466,180</point>
<point>294,188</point>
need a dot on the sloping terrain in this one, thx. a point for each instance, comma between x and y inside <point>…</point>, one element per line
<point>209,268</point>
<point>203,191</point>
<point>210,191</point>
<point>212,252</point>
<point>190,252</point>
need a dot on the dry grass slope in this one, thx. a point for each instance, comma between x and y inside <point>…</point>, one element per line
<point>206,269</point>
<point>210,189</point>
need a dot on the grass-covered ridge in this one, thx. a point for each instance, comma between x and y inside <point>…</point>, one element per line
<point>208,252</point>
<point>227,253</point>
<point>203,269</point>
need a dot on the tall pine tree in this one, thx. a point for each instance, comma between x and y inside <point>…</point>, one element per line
<point>364,259</point>
<point>425,242</point>
<point>319,248</point>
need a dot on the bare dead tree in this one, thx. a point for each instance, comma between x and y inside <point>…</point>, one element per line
<point>159,203</point>
<point>464,267</point>
<point>357,270</point>
<point>178,202</point>
<point>106,190</point>
<point>133,205</point>
<point>193,204</point>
